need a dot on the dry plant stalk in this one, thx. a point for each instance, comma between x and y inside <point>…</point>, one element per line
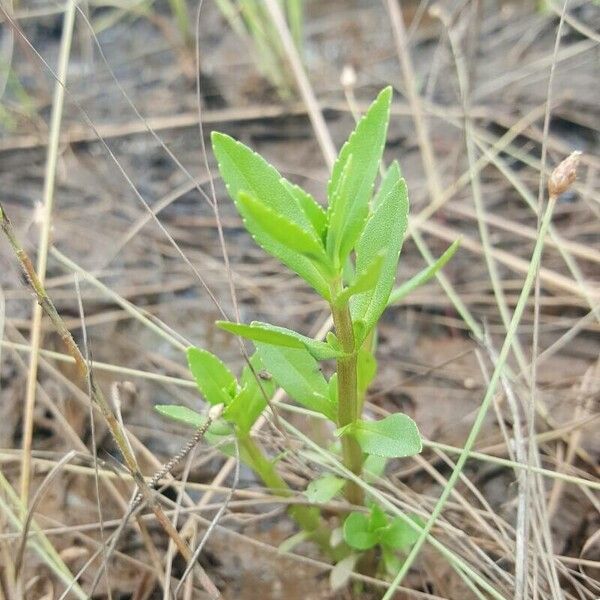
<point>98,398</point>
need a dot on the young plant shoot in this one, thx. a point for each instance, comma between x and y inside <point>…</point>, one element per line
<point>348,253</point>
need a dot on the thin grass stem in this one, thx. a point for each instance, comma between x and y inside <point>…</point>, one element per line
<point>44,241</point>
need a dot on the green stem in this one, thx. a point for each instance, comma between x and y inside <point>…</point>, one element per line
<point>307,517</point>
<point>348,399</point>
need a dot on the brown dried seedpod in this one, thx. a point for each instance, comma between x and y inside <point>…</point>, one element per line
<point>564,175</point>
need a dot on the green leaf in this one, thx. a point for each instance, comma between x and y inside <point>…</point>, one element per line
<point>357,533</point>
<point>242,169</point>
<point>364,281</point>
<point>423,276</point>
<point>333,342</point>
<point>182,414</point>
<point>393,437</point>
<point>333,389</point>
<point>259,219</point>
<point>249,403</point>
<point>348,272</point>
<point>245,408</point>
<point>280,336</point>
<point>284,240</point>
<point>219,428</point>
<point>398,535</point>
<point>377,519</point>
<point>220,436</point>
<point>392,562</point>
<point>298,373</point>
<point>359,327</point>
<point>341,573</point>
<point>392,175</point>
<point>366,369</point>
<point>384,232</point>
<point>365,145</point>
<point>324,489</point>
<point>217,434</point>
<point>337,213</point>
<point>308,267</point>
<point>261,332</point>
<point>312,209</point>
<point>214,380</point>
<point>374,465</point>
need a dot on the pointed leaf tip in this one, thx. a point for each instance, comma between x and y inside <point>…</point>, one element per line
<point>350,189</point>
<point>213,378</point>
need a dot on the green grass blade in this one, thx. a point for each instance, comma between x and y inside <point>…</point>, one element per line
<point>423,276</point>
<point>491,390</point>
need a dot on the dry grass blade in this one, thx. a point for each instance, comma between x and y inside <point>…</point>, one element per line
<point>140,499</point>
<point>37,498</point>
<point>94,445</point>
<point>13,510</point>
<point>97,396</point>
<point>306,90</point>
<point>215,520</point>
<point>583,406</point>
<point>559,182</point>
<point>44,241</point>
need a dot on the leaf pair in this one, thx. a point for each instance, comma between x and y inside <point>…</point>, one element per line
<point>291,359</point>
<point>363,532</point>
<point>243,402</point>
<point>352,179</point>
<point>282,218</point>
<point>289,224</point>
<point>324,488</point>
<point>299,374</point>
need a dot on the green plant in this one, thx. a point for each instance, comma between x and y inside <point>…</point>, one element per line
<point>363,532</point>
<point>251,21</point>
<point>348,253</point>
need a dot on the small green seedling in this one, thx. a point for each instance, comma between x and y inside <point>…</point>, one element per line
<point>364,532</point>
<point>348,253</point>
